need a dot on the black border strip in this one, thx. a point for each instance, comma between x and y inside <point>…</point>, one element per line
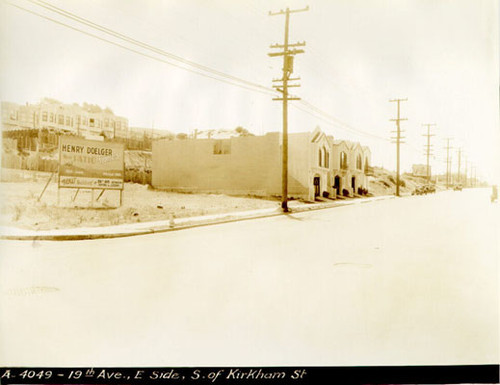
<point>449,374</point>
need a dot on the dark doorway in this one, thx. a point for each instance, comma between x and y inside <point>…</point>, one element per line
<point>337,186</point>
<point>353,184</point>
<point>316,186</point>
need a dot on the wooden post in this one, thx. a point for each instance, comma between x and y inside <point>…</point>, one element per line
<point>46,185</point>
<point>77,191</point>
<point>100,194</point>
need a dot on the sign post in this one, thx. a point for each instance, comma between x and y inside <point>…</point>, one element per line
<point>90,164</point>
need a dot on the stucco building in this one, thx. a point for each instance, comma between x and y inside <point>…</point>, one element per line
<point>350,167</point>
<point>239,165</point>
<point>246,165</point>
<point>251,165</point>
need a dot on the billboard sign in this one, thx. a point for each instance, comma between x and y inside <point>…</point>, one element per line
<point>91,164</point>
<point>420,170</point>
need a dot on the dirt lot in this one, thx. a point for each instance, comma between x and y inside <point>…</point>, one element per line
<point>20,207</point>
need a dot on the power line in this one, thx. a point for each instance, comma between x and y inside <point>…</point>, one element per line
<point>208,72</point>
<point>91,24</point>
<point>339,122</point>
<point>336,122</point>
<point>229,79</point>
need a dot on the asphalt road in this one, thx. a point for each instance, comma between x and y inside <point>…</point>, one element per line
<point>409,281</point>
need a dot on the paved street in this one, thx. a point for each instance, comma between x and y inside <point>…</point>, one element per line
<point>408,281</point>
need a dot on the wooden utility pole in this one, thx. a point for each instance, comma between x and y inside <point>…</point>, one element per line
<point>288,57</point>
<point>471,182</point>
<point>465,172</point>
<point>398,140</point>
<point>428,149</point>
<point>459,158</point>
<point>448,162</point>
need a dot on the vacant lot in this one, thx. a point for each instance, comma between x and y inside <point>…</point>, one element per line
<point>20,206</point>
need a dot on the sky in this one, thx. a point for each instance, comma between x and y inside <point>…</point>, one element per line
<point>442,55</point>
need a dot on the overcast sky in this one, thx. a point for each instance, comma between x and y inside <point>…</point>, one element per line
<point>440,54</point>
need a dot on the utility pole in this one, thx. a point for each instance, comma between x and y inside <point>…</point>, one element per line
<point>398,140</point>
<point>448,162</point>
<point>288,54</point>
<point>428,148</point>
<point>459,158</point>
<point>452,178</point>
<point>465,172</point>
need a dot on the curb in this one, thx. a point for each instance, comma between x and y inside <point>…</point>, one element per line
<point>166,226</point>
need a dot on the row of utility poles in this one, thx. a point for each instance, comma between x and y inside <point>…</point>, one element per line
<point>472,177</point>
<point>288,51</point>
<point>398,140</point>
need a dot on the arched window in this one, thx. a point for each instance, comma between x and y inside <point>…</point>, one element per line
<point>359,162</point>
<point>367,164</point>
<point>343,160</point>
<point>320,157</point>
<point>327,158</point>
<point>323,157</point>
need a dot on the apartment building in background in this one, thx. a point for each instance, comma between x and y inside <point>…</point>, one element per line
<point>82,120</point>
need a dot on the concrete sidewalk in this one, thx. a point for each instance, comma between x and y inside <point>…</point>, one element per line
<point>172,224</point>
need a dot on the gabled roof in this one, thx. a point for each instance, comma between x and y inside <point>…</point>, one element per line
<point>337,144</point>
<point>353,145</point>
<point>317,135</point>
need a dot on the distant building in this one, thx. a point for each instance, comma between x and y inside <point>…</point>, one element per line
<point>221,133</point>
<point>139,133</point>
<point>420,170</point>
<point>65,118</point>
